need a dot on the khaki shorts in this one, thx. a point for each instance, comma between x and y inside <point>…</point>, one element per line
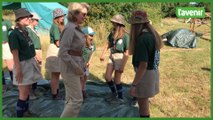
<point>52,60</point>
<point>6,53</point>
<point>148,86</point>
<point>116,59</point>
<point>30,71</point>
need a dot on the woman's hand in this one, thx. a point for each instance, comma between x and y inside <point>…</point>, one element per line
<point>87,65</point>
<point>79,71</point>
<point>102,58</point>
<point>132,91</point>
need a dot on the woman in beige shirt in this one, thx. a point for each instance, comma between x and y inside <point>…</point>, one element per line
<point>70,58</point>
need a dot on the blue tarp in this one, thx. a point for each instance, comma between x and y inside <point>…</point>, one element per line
<point>43,9</point>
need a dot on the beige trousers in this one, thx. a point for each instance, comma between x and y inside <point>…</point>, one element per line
<point>73,98</point>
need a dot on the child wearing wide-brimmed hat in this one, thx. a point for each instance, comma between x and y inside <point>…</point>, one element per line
<point>34,35</point>
<point>118,42</point>
<point>52,61</point>
<point>145,45</point>
<point>26,70</point>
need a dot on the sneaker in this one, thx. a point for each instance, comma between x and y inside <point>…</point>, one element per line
<point>111,97</point>
<point>134,102</point>
<point>33,96</point>
<point>29,114</point>
<point>117,101</point>
<point>37,92</point>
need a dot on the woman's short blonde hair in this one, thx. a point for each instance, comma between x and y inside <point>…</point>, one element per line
<point>75,8</point>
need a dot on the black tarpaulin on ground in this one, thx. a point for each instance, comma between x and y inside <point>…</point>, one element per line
<point>94,106</point>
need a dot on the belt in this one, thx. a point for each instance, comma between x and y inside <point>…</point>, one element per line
<point>4,42</point>
<point>117,52</point>
<point>75,53</point>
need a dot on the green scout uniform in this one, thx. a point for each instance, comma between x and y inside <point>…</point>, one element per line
<point>120,45</point>
<point>145,51</point>
<point>6,29</point>
<point>35,38</point>
<point>54,33</point>
<point>23,43</point>
<point>87,52</point>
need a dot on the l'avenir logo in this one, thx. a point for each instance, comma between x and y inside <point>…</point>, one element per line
<point>190,12</point>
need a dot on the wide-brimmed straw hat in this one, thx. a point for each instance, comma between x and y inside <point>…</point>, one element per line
<point>118,19</point>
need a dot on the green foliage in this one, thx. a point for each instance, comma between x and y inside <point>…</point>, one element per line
<point>104,11</point>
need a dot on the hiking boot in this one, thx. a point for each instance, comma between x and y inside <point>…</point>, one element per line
<point>33,96</point>
<point>117,101</point>
<point>111,97</point>
<point>134,102</point>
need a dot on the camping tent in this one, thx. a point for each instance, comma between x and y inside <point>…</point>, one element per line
<point>182,38</point>
<point>43,9</point>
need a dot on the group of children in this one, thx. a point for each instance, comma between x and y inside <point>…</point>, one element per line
<point>64,58</point>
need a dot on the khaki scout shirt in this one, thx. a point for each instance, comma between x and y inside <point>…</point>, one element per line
<point>72,38</point>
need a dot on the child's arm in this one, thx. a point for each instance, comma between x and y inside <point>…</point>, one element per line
<point>89,62</point>
<point>106,47</point>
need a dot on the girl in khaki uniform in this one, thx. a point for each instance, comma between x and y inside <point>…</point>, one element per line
<point>52,61</point>
<point>145,45</point>
<point>71,61</point>
<point>34,35</point>
<point>26,70</point>
<point>118,41</point>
